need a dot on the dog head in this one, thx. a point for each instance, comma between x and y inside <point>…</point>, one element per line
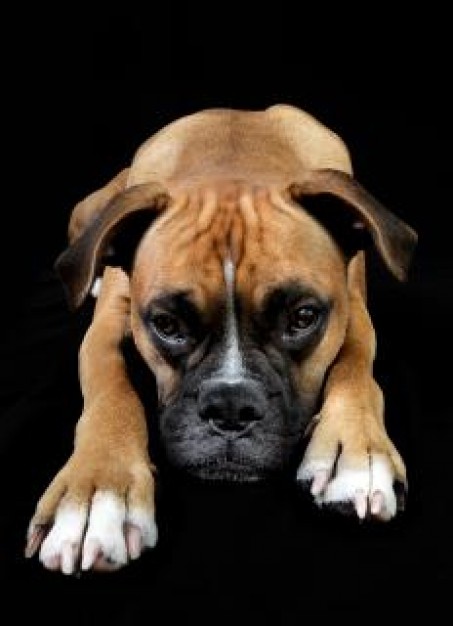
<point>239,296</point>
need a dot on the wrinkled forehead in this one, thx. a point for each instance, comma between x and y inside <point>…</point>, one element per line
<point>268,240</point>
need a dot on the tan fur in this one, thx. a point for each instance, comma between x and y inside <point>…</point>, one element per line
<point>230,177</point>
<point>272,147</point>
<point>188,251</point>
<point>352,414</point>
<point>110,450</point>
<point>93,204</point>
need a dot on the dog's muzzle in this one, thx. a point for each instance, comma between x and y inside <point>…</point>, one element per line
<point>237,430</point>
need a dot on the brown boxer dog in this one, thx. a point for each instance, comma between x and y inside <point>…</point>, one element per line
<point>251,317</point>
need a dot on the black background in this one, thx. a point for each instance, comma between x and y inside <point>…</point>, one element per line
<point>81,92</point>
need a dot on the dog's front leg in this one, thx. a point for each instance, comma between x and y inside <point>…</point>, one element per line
<point>99,510</point>
<point>350,459</point>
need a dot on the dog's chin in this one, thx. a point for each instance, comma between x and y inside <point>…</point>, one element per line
<point>227,472</point>
<point>241,461</point>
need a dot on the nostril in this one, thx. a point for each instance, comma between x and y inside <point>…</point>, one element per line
<point>210,414</point>
<point>247,414</point>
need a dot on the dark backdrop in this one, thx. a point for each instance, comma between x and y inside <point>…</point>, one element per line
<point>82,91</point>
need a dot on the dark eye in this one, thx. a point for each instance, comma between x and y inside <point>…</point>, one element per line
<point>302,319</point>
<point>168,327</point>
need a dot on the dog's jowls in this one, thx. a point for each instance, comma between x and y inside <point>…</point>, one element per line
<point>251,317</point>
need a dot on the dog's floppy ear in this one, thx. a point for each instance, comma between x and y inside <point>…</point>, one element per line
<point>394,239</point>
<point>77,265</point>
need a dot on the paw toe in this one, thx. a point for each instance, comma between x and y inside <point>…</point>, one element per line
<point>104,535</point>
<point>363,486</point>
<point>61,547</point>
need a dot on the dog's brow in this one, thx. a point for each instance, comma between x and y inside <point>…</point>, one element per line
<point>179,302</point>
<point>288,294</point>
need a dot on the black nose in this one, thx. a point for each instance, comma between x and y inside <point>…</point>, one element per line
<point>231,407</point>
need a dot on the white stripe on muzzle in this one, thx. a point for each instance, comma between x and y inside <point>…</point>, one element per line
<point>232,368</point>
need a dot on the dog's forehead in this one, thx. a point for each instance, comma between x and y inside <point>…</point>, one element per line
<point>277,145</point>
<point>268,240</point>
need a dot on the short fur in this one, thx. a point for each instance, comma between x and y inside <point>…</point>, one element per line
<point>224,186</point>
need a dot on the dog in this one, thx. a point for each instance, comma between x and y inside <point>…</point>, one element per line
<point>251,317</point>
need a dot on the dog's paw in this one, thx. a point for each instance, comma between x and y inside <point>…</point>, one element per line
<point>358,471</point>
<point>94,520</point>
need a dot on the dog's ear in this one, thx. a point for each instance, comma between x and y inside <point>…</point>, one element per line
<point>78,264</point>
<point>394,239</point>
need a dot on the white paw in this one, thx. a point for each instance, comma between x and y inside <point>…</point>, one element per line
<point>365,482</point>
<point>60,549</point>
<point>103,537</point>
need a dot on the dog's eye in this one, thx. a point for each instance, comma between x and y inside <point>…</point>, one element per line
<point>294,317</point>
<point>168,327</point>
<point>302,318</point>
<point>301,321</point>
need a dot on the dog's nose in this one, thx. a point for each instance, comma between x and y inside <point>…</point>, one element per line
<point>231,407</point>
